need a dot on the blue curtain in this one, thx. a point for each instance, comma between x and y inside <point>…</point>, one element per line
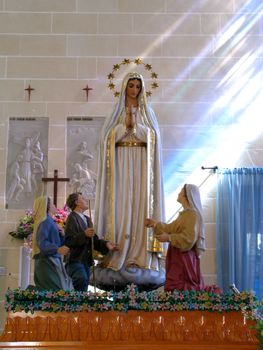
<point>239,229</point>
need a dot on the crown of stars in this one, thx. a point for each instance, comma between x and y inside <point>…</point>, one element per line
<point>125,62</point>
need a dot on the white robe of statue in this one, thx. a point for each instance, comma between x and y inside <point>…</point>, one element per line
<point>129,189</point>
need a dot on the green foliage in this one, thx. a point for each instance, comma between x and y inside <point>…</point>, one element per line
<point>259,334</point>
<point>258,317</point>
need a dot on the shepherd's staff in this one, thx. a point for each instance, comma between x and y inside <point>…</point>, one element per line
<point>92,249</point>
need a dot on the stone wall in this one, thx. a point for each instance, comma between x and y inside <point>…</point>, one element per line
<point>207,56</point>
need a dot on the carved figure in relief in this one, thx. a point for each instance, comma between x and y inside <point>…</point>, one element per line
<point>27,170</point>
<point>83,178</point>
<point>17,183</point>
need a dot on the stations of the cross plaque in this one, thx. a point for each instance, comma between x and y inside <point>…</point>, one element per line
<point>55,179</point>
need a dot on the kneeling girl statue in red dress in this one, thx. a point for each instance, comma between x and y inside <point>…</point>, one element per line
<point>186,239</point>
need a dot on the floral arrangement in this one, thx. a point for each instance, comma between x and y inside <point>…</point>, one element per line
<point>61,216</point>
<point>131,298</point>
<point>26,224</point>
<point>24,227</point>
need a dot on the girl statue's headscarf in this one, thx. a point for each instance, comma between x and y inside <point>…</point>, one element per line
<point>39,215</point>
<point>193,196</point>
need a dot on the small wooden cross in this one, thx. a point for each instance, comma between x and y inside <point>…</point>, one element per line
<point>29,89</point>
<point>87,91</point>
<point>55,179</point>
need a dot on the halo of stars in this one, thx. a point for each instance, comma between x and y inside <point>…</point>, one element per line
<point>125,62</point>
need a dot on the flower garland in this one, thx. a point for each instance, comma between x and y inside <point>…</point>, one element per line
<point>137,62</point>
<point>129,299</point>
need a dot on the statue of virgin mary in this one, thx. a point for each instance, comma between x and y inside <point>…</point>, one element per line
<point>129,189</point>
